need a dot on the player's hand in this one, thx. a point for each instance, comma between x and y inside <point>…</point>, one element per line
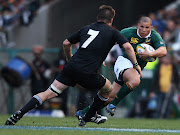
<point>138,68</point>
<point>68,59</point>
<point>145,55</point>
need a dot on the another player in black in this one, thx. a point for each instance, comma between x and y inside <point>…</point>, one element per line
<point>96,40</point>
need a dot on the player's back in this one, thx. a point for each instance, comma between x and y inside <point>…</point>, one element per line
<point>96,40</point>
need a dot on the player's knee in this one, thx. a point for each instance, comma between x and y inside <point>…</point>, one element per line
<point>107,89</point>
<point>134,83</point>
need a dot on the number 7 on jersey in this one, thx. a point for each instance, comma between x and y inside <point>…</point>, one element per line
<point>93,34</point>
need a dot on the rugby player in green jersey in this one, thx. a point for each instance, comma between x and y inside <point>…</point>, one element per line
<point>127,78</point>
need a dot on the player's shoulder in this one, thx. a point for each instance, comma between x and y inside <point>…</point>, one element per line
<point>99,26</point>
<point>87,26</point>
<point>155,34</point>
<point>129,29</point>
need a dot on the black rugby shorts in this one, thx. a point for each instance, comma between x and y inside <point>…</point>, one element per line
<point>71,77</point>
<point>121,82</point>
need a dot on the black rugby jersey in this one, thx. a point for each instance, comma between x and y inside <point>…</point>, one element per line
<point>96,40</point>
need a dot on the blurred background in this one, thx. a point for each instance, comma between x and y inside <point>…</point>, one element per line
<point>31,36</point>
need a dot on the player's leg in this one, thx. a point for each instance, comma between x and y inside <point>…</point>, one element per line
<point>55,88</point>
<point>124,72</point>
<point>122,65</point>
<point>116,87</point>
<point>99,100</point>
<point>132,80</point>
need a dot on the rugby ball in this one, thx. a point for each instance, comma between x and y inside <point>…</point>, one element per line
<point>141,48</point>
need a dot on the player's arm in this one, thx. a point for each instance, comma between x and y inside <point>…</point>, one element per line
<point>67,47</point>
<point>160,52</point>
<point>67,44</point>
<point>131,55</point>
<point>159,45</point>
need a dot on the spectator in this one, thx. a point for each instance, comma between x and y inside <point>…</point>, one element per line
<point>171,25</point>
<point>41,73</point>
<point>165,81</point>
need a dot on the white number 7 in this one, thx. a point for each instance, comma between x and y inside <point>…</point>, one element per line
<point>93,34</point>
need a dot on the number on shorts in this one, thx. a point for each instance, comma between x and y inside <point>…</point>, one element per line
<point>93,34</point>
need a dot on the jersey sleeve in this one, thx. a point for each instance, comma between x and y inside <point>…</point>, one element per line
<point>120,39</point>
<point>74,38</point>
<point>157,40</point>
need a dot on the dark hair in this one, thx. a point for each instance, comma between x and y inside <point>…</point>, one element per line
<point>106,13</point>
<point>145,19</point>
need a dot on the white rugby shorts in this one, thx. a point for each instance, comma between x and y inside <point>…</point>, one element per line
<point>120,65</point>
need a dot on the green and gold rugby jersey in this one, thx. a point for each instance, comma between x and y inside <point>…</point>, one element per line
<point>153,39</point>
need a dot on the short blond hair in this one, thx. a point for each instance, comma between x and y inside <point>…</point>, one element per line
<point>145,19</point>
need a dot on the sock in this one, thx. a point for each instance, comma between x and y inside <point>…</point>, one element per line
<point>33,103</point>
<point>98,102</point>
<point>84,111</point>
<point>124,91</point>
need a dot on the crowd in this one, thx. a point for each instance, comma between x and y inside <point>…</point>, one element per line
<point>167,22</point>
<point>20,12</point>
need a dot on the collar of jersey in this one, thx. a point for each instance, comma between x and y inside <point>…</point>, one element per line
<point>149,35</point>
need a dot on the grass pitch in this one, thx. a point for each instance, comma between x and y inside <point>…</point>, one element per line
<point>44,125</point>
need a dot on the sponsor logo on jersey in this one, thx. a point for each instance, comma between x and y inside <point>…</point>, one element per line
<point>134,40</point>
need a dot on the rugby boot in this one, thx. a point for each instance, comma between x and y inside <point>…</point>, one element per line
<point>110,109</point>
<point>98,119</point>
<point>78,114</point>
<point>14,118</point>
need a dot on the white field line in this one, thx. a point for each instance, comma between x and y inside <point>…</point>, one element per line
<point>90,129</point>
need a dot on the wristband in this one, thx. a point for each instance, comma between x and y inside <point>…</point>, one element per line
<point>135,64</point>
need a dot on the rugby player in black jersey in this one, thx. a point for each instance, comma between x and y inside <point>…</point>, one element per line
<point>96,40</point>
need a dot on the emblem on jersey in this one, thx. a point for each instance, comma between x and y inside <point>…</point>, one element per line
<point>148,40</point>
<point>134,40</point>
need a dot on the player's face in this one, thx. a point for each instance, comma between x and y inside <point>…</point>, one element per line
<point>144,28</point>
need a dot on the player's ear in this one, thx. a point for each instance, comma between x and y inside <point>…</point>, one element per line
<point>138,25</point>
<point>151,27</point>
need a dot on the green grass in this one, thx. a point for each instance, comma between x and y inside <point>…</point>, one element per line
<point>73,122</point>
